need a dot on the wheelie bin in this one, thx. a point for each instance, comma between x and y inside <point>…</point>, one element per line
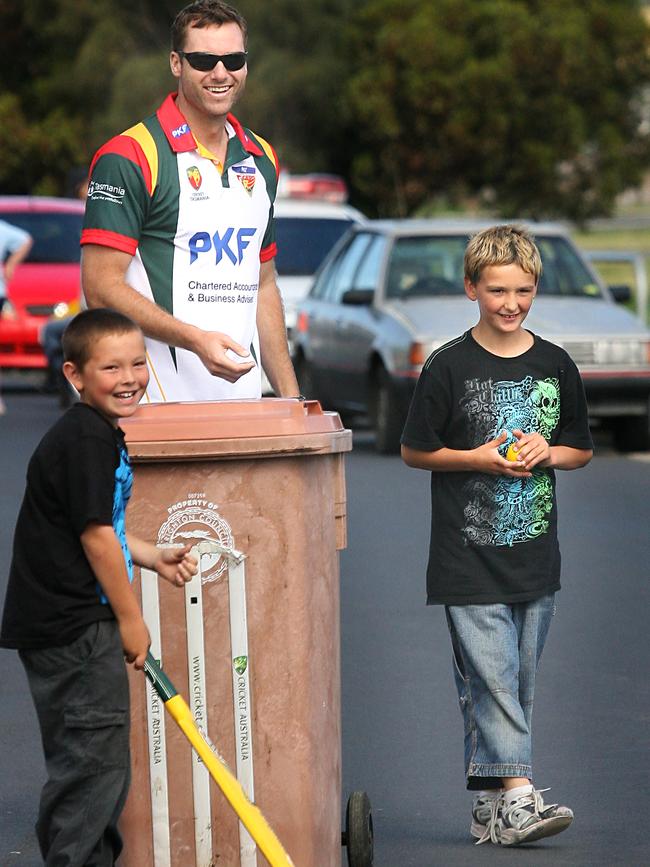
<point>258,489</point>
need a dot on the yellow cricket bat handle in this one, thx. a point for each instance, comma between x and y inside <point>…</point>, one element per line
<point>250,815</point>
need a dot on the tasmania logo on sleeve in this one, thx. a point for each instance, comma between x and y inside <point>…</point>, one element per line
<point>246,176</point>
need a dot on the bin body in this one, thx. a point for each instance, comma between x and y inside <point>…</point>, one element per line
<point>265,478</point>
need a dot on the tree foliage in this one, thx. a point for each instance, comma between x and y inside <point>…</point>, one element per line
<point>535,106</point>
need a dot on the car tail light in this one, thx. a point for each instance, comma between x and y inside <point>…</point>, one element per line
<point>329,188</point>
<point>302,323</point>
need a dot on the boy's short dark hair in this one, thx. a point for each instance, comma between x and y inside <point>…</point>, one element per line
<point>87,328</point>
<point>202,13</point>
<point>502,245</point>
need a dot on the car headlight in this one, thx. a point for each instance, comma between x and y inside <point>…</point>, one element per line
<point>60,310</point>
<point>621,351</point>
<point>608,352</point>
<point>420,350</point>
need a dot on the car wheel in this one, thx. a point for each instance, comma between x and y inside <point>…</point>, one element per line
<point>305,377</point>
<point>632,434</point>
<point>386,416</point>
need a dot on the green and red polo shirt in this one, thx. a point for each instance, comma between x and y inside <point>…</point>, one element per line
<point>197,235</point>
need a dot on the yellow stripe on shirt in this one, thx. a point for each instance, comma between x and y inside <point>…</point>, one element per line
<point>141,134</point>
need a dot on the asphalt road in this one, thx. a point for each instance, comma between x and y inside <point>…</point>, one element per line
<point>402,737</point>
<point>402,731</point>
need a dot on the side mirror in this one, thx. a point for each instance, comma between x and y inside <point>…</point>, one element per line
<point>621,294</point>
<point>358,297</point>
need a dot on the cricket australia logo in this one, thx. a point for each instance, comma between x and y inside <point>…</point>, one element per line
<point>196,520</point>
<point>240,664</point>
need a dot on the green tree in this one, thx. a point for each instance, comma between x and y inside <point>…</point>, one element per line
<point>74,72</point>
<point>298,68</point>
<point>534,105</point>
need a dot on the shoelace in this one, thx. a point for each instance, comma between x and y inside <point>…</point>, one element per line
<point>490,833</point>
<point>535,798</point>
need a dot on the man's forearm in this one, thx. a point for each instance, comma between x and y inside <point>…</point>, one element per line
<point>273,335</point>
<point>103,283</point>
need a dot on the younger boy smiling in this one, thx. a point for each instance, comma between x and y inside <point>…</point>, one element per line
<point>70,610</point>
<point>494,561</point>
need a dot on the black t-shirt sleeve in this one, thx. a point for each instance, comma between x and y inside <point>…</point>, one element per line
<point>90,478</point>
<point>574,415</point>
<point>429,411</point>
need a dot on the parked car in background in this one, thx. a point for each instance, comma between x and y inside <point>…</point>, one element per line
<point>47,283</point>
<point>306,229</point>
<point>392,291</point>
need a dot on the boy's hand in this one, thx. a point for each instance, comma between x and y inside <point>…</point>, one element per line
<point>175,565</point>
<point>532,449</point>
<point>487,459</point>
<point>135,640</point>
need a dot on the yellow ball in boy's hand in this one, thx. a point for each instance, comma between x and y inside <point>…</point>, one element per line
<point>512,454</point>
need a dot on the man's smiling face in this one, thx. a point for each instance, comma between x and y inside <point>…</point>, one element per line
<point>209,95</point>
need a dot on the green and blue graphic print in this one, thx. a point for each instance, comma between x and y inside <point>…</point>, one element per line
<point>502,510</point>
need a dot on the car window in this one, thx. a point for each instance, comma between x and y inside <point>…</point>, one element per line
<point>303,242</point>
<point>56,235</point>
<point>342,278</point>
<point>427,265</point>
<point>563,271</point>
<point>323,277</point>
<point>367,275</point>
<point>433,265</point>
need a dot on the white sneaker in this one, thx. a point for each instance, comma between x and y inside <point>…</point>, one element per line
<point>482,812</point>
<point>524,819</point>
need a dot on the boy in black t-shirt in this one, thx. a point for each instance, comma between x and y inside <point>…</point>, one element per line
<point>494,413</point>
<point>70,610</point>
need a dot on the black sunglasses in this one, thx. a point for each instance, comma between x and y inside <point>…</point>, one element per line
<point>204,62</point>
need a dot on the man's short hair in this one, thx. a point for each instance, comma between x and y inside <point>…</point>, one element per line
<point>502,245</point>
<point>89,326</point>
<point>202,13</point>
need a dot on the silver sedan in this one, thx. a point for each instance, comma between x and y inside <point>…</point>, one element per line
<point>391,292</point>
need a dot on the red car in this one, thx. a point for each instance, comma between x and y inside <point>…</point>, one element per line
<point>47,284</point>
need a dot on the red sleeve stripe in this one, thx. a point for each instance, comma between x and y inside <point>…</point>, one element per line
<point>104,238</point>
<point>267,253</point>
<point>127,147</point>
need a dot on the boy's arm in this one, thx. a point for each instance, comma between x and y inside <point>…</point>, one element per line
<point>483,459</point>
<point>173,564</point>
<point>106,559</point>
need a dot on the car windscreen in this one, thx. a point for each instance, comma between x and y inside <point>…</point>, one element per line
<point>431,265</point>
<point>56,235</point>
<point>303,242</point>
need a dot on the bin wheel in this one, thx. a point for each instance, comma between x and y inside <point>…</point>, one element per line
<point>358,837</point>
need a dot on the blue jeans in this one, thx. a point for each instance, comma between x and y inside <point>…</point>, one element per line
<point>496,651</point>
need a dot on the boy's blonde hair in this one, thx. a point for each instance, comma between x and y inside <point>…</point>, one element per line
<point>502,245</point>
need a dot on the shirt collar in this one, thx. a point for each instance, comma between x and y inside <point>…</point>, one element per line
<point>180,137</point>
